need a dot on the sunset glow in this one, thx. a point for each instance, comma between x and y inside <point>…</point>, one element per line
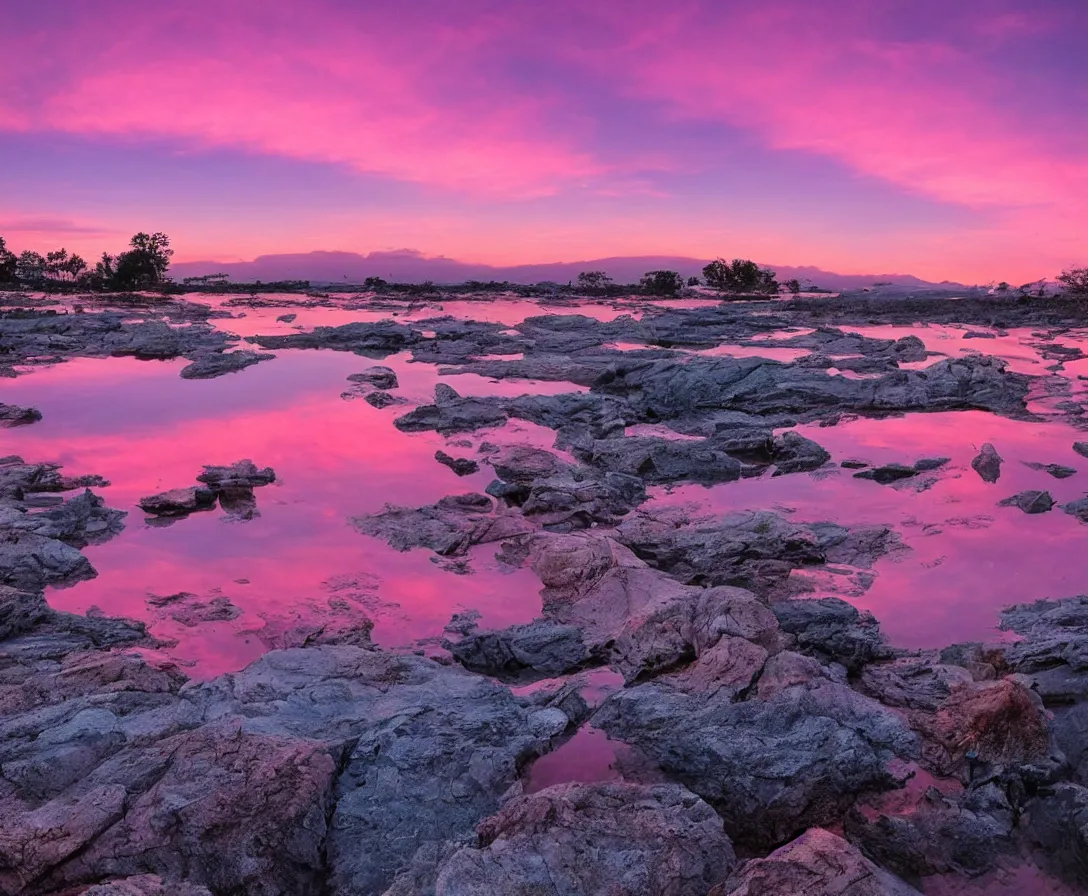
<point>856,136</point>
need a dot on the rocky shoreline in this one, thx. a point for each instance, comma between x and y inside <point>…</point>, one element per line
<point>786,746</point>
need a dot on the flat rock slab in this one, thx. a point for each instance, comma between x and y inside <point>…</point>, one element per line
<point>179,501</point>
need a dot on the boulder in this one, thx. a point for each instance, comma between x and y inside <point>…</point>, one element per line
<point>987,463</point>
<point>209,366</point>
<point>615,838</point>
<point>818,863</point>
<point>12,415</point>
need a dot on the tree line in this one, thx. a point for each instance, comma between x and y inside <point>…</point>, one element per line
<point>142,265</point>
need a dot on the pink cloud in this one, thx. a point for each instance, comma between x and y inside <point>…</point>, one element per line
<point>328,86</point>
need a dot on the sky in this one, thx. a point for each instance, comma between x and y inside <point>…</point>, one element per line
<point>945,140</point>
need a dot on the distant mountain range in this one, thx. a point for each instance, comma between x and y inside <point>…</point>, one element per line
<point>410,266</point>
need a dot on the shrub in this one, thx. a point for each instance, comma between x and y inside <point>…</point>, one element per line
<point>661,283</point>
<point>740,276</point>
<point>1075,281</point>
<point>593,282</point>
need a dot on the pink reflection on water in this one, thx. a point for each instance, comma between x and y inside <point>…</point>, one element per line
<point>146,429</point>
<point>969,557</point>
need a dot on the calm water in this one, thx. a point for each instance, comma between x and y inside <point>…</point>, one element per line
<point>147,430</point>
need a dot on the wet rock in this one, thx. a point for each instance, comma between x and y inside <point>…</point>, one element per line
<point>242,474</point>
<point>378,377</point>
<point>460,465</point>
<point>756,550</point>
<point>962,833</point>
<point>383,399</point>
<point>771,768</point>
<point>1031,501</point>
<point>927,464</point>
<point>793,453</point>
<point>539,649</point>
<point>449,527</point>
<point>371,339</point>
<point>888,473</point>
<point>12,415</point>
<point>209,366</point>
<point>818,863</point>
<point>1058,822</point>
<point>833,630</point>
<point>18,479</point>
<point>987,463</point>
<point>308,763</point>
<point>610,838</point>
<point>1081,448</point>
<point>286,318</point>
<point>187,609</point>
<point>145,885</point>
<point>1053,649</point>
<point>659,461</point>
<point>159,331</point>
<point>1058,471</point>
<point>1078,508</point>
<point>179,501</point>
<point>452,415</point>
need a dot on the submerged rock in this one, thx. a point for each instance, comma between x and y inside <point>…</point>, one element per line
<point>888,473</point>
<point>460,465</point>
<point>378,377</point>
<point>208,366</point>
<point>1031,501</point>
<point>12,415</point>
<point>987,463</point>
<point>1058,471</point>
<point>818,863</point>
<point>1081,448</point>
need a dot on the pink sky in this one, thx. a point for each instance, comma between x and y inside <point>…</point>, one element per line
<point>944,140</point>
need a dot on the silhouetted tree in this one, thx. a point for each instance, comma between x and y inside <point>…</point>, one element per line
<point>593,281</point>
<point>59,265</point>
<point>145,263</point>
<point>1002,286</point>
<point>8,261</point>
<point>30,268</point>
<point>794,286</point>
<point>374,283</point>
<point>693,281</point>
<point>1075,281</point>
<point>739,276</point>
<point>661,283</point>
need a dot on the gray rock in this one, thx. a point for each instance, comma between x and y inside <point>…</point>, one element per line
<point>987,463</point>
<point>383,399</point>
<point>460,465</point>
<point>371,339</point>
<point>1031,501</point>
<point>962,834</point>
<point>756,550</point>
<point>242,474</point>
<point>888,473</point>
<point>817,863</point>
<point>833,630</point>
<point>209,366</point>
<point>286,318</point>
<point>1078,508</point>
<point>1058,822</point>
<point>1081,448</point>
<point>793,453</point>
<point>1058,471</point>
<point>772,767</point>
<point>449,527</point>
<point>12,415</point>
<point>179,501</point>
<point>378,377</point>
<point>453,416</point>
<point>620,839</point>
